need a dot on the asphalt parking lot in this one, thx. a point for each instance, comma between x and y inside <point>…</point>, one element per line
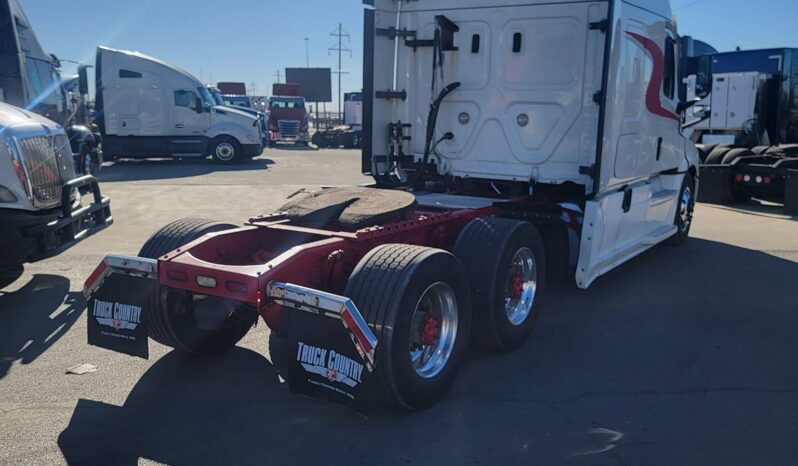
<point>682,356</point>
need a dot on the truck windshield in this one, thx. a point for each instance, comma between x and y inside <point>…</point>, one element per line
<point>217,97</point>
<point>286,104</point>
<point>207,99</point>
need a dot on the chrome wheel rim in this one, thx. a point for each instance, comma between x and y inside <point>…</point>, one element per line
<point>433,330</point>
<point>225,151</point>
<point>686,208</point>
<point>521,287</point>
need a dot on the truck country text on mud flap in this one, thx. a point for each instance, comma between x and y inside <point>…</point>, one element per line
<point>320,358</point>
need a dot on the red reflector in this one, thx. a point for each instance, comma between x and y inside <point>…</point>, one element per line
<point>767,180</point>
<point>237,287</point>
<point>177,275</point>
<point>98,272</point>
<point>738,178</point>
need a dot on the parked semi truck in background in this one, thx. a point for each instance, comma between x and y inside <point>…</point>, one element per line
<point>262,117</point>
<point>749,143</point>
<point>41,210</point>
<point>31,79</point>
<point>42,141</point>
<point>150,108</point>
<point>553,148</point>
<point>288,117</point>
<point>350,134</point>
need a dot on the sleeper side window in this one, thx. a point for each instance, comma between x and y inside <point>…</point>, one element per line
<point>186,99</point>
<point>669,78</point>
<point>127,74</point>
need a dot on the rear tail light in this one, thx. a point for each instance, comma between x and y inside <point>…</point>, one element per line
<point>206,282</point>
<point>767,180</point>
<point>738,178</point>
<point>747,178</point>
<point>759,179</point>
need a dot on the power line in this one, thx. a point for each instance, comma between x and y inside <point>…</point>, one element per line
<point>340,48</point>
<point>688,5</point>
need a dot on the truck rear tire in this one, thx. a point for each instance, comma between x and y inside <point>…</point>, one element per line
<point>735,154</point>
<point>8,275</point>
<point>225,149</point>
<point>684,212</point>
<point>417,301</point>
<point>505,261</point>
<point>187,322</point>
<point>704,150</point>
<point>716,156</point>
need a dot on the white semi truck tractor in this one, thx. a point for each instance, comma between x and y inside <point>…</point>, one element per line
<point>41,212</point>
<point>514,141</point>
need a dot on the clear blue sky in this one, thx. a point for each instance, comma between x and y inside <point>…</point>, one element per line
<point>249,40</point>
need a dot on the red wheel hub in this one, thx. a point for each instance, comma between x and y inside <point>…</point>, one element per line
<point>431,330</point>
<point>516,285</point>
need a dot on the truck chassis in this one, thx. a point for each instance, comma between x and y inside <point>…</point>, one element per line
<point>772,176</point>
<point>275,265</point>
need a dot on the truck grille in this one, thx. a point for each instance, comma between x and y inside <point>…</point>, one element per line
<point>48,163</point>
<point>288,128</point>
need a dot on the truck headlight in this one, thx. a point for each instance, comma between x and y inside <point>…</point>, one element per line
<point>17,164</point>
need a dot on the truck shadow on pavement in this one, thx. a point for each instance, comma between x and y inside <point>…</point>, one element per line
<point>28,327</point>
<point>160,169</point>
<point>663,361</point>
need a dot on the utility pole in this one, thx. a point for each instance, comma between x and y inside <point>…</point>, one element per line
<point>253,88</point>
<point>307,52</point>
<point>278,75</point>
<point>340,48</point>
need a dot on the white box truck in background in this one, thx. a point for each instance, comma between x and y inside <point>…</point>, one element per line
<point>149,108</point>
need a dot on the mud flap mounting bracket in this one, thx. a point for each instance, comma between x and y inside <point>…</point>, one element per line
<point>329,305</point>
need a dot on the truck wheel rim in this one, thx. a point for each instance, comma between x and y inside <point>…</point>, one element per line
<point>686,208</point>
<point>225,151</point>
<point>521,287</point>
<point>433,330</point>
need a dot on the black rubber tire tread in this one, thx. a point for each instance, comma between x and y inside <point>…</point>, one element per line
<point>377,286</point>
<point>481,248</point>
<point>165,240</point>
<point>735,154</point>
<point>759,150</point>
<point>716,156</point>
<point>704,150</point>
<point>786,149</point>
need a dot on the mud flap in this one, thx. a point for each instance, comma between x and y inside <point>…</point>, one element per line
<point>119,295</point>
<point>319,360</point>
<point>715,184</point>
<point>791,192</point>
<point>329,349</point>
